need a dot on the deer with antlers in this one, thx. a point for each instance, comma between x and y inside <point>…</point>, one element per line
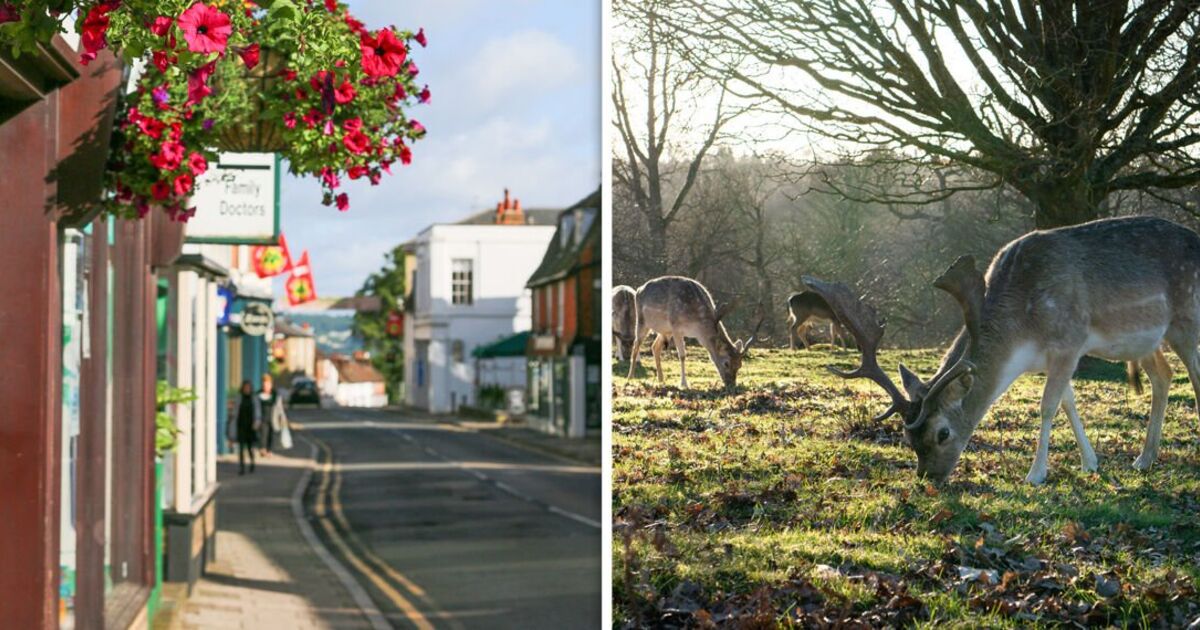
<point>805,308</point>
<point>676,307</point>
<point>1114,289</point>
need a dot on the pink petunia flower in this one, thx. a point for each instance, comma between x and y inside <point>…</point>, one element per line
<point>289,120</point>
<point>205,28</point>
<point>197,164</point>
<point>382,54</point>
<point>198,82</point>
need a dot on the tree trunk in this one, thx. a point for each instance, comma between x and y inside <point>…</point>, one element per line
<point>1063,204</point>
<point>656,257</point>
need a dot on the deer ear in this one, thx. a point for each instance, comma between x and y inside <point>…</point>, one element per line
<point>958,389</point>
<point>913,384</point>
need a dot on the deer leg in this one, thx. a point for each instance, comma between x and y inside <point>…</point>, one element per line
<point>638,338</point>
<point>1191,360</point>
<point>681,349</point>
<point>1159,372</point>
<point>659,342</point>
<point>1086,453</point>
<point>1058,379</point>
<point>620,348</point>
<point>802,333</point>
<point>791,328</point>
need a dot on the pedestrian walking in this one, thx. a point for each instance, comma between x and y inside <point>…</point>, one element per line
<point>246,426</point>
<point>274,418</point>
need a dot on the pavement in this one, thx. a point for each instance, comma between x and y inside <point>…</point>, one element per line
<point>428,524</point>
<point>266,574</point>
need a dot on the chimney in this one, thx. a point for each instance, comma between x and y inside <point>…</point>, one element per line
<point>508,212</point>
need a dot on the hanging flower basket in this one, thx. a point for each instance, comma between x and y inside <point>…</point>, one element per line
<point>299,78</point>
<point>255,131</point>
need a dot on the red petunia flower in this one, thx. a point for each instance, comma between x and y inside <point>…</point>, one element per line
<point>357,171</point>
<point>353,124</point>
<point>289,120</point>
<point>424,95</point>
<point>420,37</point>
<point>9,13</point>
<point>161,60</point>
<point>344,93</point>
<point>382,54</point>
<point>343,202</point>
<point>93,34</point>
<point>355,26</point>
<point>183,184</point>
<point>405,155</point>
<point>206,28</point>
<point>250,54</point>
<point>331,6</point>
<point>356,142</point>
<point>161,25</point>
<point>160,190</point>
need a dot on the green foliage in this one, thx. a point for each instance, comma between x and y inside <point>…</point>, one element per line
<point>165,430</point>
<point>786,499</point>
<point>387,352</point>
<point>492,397</point>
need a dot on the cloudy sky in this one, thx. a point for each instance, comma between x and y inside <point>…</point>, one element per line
<point>516,103</point>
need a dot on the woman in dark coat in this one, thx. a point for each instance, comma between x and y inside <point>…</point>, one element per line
<point>248,422</point>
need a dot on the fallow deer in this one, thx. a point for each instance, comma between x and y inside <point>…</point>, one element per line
<point>805,308</point>
<point>1113,288</point>
<point>624,319</point>
<point>677,307</point>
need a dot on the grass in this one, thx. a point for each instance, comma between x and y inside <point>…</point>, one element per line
<point>785,505</point>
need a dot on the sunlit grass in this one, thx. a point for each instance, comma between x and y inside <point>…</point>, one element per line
<point>789,481</point>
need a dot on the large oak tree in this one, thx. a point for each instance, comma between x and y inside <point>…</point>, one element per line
<point>1067,102</point>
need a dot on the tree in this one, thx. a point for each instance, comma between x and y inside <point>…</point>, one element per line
<point>647,75</point>
<point>387,350</point>
<point>1066,102</point>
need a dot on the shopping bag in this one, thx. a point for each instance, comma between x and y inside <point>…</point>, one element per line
<point>285,438</point>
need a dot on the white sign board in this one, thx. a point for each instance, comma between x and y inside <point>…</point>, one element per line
<point>237,201</point>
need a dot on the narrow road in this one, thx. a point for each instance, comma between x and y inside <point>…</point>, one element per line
<point>447,528</point>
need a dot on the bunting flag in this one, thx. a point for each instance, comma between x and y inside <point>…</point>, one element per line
<point>299,286</point>
<point>271,260</point>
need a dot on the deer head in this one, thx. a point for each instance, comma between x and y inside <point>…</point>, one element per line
<point>932,411</point>
<point>728,356</point>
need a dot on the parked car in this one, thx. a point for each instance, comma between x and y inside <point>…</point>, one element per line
<point>304,392</point>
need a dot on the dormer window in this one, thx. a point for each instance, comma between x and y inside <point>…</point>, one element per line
<point>566,229</point>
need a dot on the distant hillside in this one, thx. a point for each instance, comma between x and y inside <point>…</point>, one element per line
<point>332,329</point>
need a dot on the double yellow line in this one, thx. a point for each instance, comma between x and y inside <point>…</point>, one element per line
<point>328,510</point>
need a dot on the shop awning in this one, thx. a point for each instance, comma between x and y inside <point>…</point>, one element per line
<point>511,346</point>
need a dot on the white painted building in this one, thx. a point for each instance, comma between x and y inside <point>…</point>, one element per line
<point>467,289</point>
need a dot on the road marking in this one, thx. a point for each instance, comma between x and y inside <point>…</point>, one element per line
<point>553,509</point>
<point>357,592</point>
<point>401,602</point>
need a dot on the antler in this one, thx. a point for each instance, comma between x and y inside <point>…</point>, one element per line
<point>862,322</point>
<point>753,335</point>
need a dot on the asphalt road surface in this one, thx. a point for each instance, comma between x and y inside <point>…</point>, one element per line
<point>447,528</point>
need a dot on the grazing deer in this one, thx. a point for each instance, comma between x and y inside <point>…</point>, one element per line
<point>624,319</point>
<point>804,308</point>
<point>1114,289</point>
<point>677,307</point>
